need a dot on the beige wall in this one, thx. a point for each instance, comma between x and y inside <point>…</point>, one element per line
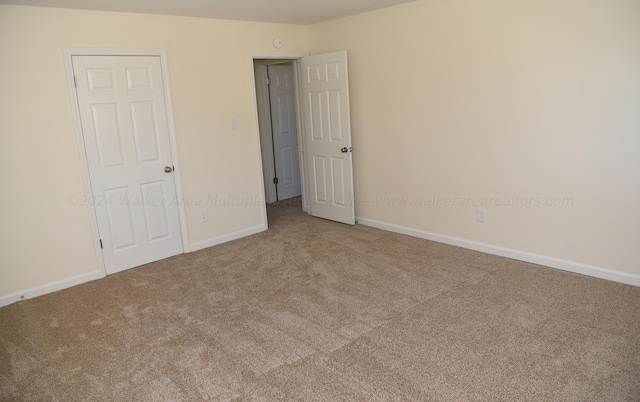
<point>458,98</point>
<point>500,98</point>
<point>44,239</point>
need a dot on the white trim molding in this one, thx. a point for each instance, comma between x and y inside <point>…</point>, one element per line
<point>571,266</point>
<point>80,279</point>
<point>266,135</point>
<point>228,237</point>
<point>50,288</point>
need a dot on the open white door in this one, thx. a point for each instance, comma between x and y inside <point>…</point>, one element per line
<point>327,135</point>
<point>126,137</point>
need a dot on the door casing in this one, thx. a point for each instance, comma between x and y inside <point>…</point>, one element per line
<point>68,54</point>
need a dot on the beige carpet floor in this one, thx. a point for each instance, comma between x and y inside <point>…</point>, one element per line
<point>316,310</point>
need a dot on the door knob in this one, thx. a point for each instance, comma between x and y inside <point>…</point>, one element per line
<point>344,150</point>
<point>168,169</point>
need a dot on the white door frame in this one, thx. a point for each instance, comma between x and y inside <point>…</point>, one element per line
<point>295,59</point>
<point>68,54</point>
<point>266,134</point>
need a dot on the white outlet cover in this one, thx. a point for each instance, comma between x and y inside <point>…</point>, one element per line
<point>482,215</point>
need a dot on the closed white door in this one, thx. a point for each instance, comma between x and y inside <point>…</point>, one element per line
<point>126,136</point>
<point>327,123</point>
<point>285,131</point>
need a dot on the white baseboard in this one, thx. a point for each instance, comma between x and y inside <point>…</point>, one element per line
<point>228,237</point>
<point>77,280</point>
<point>50,288</point>
<point>564,265</point>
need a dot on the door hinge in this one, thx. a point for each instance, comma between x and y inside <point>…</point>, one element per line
<point>267,81</point>
<point>101,244</point>
<point>75,81</point>
<point>275,180</point>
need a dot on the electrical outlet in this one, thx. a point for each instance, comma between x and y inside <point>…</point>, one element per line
<point>482,215</point>
<point>204,216</point>
<point>234,123</point>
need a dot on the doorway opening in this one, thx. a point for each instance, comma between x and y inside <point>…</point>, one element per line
<point>320,102</point>
<point>279,126</point>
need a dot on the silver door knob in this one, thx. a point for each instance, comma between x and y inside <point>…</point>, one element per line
<point>168,169</point>
<point>344,150</point>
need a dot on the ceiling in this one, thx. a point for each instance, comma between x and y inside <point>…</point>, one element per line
<point>283,11</point>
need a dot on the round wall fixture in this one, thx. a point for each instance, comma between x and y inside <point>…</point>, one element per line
<point>277,43</point>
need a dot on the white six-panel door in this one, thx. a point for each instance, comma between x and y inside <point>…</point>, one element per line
<point>328,157</point>
<point>126,136</point>
<point>285,131</point>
